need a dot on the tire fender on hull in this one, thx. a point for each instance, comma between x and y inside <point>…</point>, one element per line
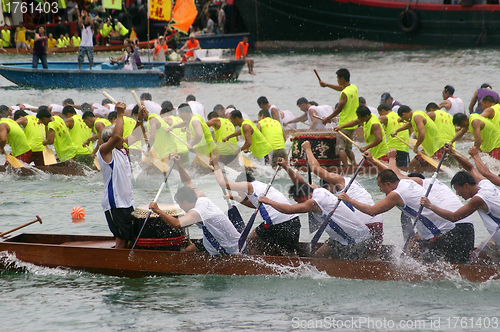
<point>408,21</point>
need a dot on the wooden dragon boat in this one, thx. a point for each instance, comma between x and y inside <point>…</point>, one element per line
<point>96,255</point>
<point>53,169</point>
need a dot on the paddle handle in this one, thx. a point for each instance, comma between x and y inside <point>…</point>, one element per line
<point>155,200</point>
<point>180,139</point>
<point>246,231</point>
<point>137,100</point>
<point>293,129</point>
<point>322,228</point>
<point>403,141</point>
<point>38,219</point>
<point>113,100</point>
<point>319,79</point>
<point>349,139</point>
<point>485,242</point>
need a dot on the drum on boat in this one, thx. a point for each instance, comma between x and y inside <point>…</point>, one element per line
<point>322,146</point>
<point>157,235</point>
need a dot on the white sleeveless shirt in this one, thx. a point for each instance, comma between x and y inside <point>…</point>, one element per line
<point>117,177</point>
<point>267,212</point>
<point>343,217</point>
<point>429,225</point>
<point>457,106</point>
<point>87,37</point>
<point>219,225</point>
<point>491,197</point>
<point>446,198</point>
<point>321,112</point>
<point>358,193</point>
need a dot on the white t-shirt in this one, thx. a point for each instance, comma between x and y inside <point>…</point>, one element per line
<point>152,107</point>
<point>287,117</point>
<point>267,212</point>
<point>117,176</point>
<point>491,197</point>
<point>429,224</point>
<point>87,36</point>
<point>344,217</point>
<point>219,225</point>
<point>445,198</point>
<point>358,193</point>
<point>457,106</point>
<point>321,112</point>
<point>197,108</point>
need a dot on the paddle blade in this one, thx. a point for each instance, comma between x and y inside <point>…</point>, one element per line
<point>96,164</point>
<point>235,217</point>
<point>202,160</point>
<point>430,161</point>
<point>314,222</point>
<point>49,158</point>
<point>246,231</point>
<point>247,162</point>
<point>14,162</point>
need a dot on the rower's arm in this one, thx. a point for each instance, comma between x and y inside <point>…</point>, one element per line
<point>243,186</point>
<point>51,135</point>
<point>198,133</point>
<point>473,102</point>
<point>458,135</point>
<point>446,104</point>
<point>301,118</point>
<point>476,126</point>
<point>316,168</point>
<point>335,87</point>
<point>349,124</point>
<point>340,106</point>
<point>482,168</point>
<point>390,201</point>
<point>69,123</point>
<point>474,204</point>
<point>304,207</point>
<point>406,126</point>
<point>214,122</point>
<point>247,131</point>
<point>235,134</point>
<point>377,132</point>
<point>419,121</point>
<point>466,165</point>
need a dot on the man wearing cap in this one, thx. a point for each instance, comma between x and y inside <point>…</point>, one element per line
<point>452,104</point>
<point>191,45</point>
<point>386,98</point>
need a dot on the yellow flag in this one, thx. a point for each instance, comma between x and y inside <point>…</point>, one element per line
<point>160,10</point>
<point>113,4</point>
<point>184,15</point>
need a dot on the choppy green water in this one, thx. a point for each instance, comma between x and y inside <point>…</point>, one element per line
<point>41,299</point>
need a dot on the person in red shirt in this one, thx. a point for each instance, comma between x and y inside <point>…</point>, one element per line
<point>242,52</point>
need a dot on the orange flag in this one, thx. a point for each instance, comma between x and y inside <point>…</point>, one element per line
<point>184,14</point>
<point>160,10</point>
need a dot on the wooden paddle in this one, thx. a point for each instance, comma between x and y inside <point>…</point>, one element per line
<point>428,159</point>
<point>49,158</point>
<point>156,199</point>
<point>319,79</point>
<point>14,162</point>
<point>326,221</point>
<point>204,160</point>
<point>96,162</point>
<point>246,162</point>
<point>38,219</point>
<point>246,231</point>
<point>414,141</point>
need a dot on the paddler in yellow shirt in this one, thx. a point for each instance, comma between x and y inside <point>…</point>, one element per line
<point>255,142</point>
<point>390,122</point>
<point>486,135</point>
<point>427,134</point>
<point>346,109</point>
<point>442,119</point>
<point>12,134</point>
<point>491,110</point>
<point>273,132</point>
<point>373,133</point>
<point>34,133</point>
<point>97,125</point>
<point>79,132</point>
<point>202,140</point>
<point>222,128</point>
<point>167,115</point>
<point>57,133</point>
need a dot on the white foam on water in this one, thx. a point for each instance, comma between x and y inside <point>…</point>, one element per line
<point>10,261</point>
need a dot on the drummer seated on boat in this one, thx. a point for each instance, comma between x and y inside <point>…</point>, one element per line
<point>484,198</point>
<point>279,233</point>
<point>336,183</point>
<point>373,132</point>
<point>220,237</point>
<point>118,198</point>
<point>349,237</point>
<point>440,238</point>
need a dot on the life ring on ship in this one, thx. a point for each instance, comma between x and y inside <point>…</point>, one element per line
<point>408,21</point>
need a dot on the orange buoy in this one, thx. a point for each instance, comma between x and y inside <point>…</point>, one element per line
<point>78,212</point>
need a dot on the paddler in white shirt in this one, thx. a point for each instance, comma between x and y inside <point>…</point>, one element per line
<point>220,237</point>
<point>349,236</point>
<point>484,198</point>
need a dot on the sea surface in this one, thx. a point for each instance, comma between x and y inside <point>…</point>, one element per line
<point>43,299</point>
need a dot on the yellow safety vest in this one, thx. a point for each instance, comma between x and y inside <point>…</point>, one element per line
<point>63,143</point>
<point>164,143</point>
<point>260,146</point>
<point>106,29</point>
<point>206,145</point>
<point>444,123</point>
<point>16,138</point>
<point>433,140</point>
<point>60,43</point>
<point>21,34</point>
<point>76,40</point>
<point>103,121</point>
<point>273,132</point>
<point>123,31</point>
<point>226,129</point>
<point>181,147</point>
<point>381,149</point>
<point>496,117</point>
<point>79,134</point>
<point>392,125</point>
<point>349,111</point>
<point>34,133</point>
<point>490,135</point>
<point>5,37</point>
